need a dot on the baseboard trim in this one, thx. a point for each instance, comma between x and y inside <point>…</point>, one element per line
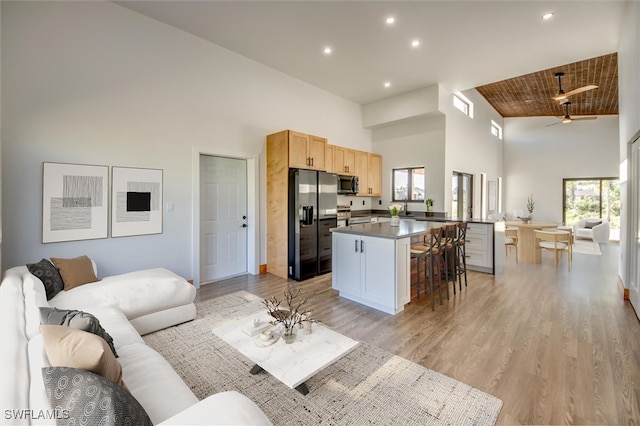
<point>623,290</point>
<point>263,269</point>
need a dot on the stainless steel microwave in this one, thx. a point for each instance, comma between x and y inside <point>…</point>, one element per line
<point>348,184</point>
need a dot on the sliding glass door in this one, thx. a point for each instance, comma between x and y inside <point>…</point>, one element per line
<point>589,198</point>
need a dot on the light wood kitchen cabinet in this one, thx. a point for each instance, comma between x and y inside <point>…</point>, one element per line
<point>306,151</point>
<point>375,175</point>
<point>329,163</point>
<point>362,171</point>
<point>369,171</point>
<point>344,161</point>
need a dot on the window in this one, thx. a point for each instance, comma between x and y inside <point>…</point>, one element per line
<point>408,184</point>
<point>462,195</point>
<point>463,104</point>
<point>596,197</point>
<point>496,130</point>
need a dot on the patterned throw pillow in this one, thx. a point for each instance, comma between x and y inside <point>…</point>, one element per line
<point>49,275</point>
<point>78,320</point>
<point>83,398</point>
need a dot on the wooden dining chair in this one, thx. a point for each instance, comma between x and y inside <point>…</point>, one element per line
<point>556,241</point>
<point>511,241</point>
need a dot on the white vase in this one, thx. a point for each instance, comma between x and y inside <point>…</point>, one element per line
<point>395,221</point>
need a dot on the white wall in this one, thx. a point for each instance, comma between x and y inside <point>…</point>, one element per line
<point>411,144</point>
<point>537,158</point>
<point>470,145</point>
<point>95,83</point>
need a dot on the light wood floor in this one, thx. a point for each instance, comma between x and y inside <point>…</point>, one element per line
<point>556,347</point>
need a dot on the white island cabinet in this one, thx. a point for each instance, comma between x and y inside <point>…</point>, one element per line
<point>371,263</point>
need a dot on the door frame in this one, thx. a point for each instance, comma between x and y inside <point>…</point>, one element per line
<point>629,241</point>
<point>253,196</point>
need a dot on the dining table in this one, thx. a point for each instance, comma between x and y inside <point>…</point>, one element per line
<point>527,250</point>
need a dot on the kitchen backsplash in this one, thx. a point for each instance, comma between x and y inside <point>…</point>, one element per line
<point>358,203</point>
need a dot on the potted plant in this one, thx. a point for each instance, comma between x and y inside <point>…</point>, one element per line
<point>395,210</point>
<point>530,206</point>
<point>429,203</point>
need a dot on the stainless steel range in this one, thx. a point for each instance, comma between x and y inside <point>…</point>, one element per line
<point>344,214</point>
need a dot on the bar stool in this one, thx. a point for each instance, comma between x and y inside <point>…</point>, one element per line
<point>430,254</point>
<point>461,252</point>
<point>450,255</point>
<point>420,252</point>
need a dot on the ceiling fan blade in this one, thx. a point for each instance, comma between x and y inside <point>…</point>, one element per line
<point>590,117</point>
<point>563,96</point>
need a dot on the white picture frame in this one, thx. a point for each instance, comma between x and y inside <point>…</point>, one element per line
<point>74,202</point>
<point>136,201</point>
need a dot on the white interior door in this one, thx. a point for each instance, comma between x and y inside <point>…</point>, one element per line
<point>223,218</point>
<point>634,226</point>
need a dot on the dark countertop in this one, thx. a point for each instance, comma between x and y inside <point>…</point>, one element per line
<point>406,229</point>
<point>419,216</point>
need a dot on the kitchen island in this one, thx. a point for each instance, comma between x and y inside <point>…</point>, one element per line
<point>372,263</point>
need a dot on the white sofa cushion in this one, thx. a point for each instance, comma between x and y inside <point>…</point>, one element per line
<point>135,293</point>
<point>37,395</point>
<point>152,381</point>
<point>116,324</point>
<point>35,297</point>
<point>224,408</point>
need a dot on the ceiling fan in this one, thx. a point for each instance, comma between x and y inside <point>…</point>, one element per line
<point>562,96</point>
<point>568,119</point>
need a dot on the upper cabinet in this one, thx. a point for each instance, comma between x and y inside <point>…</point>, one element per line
<point>344,161</point>
<point>302,151</point>
<point>306,151</point>
<point>369,172</point>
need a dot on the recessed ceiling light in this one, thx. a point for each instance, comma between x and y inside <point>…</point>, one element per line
<point>547,16</point>
<point>327,50</point>
<point>387,84</point>
<point>390,20</point>
<point>415,43</point>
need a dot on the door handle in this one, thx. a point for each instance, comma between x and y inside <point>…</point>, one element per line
<point>244,225</point>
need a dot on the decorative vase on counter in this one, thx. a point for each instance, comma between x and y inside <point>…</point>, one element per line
<point>395,221</point>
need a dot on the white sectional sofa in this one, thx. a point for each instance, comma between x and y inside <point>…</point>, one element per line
<point>594,229</point>
<point>126,306</point>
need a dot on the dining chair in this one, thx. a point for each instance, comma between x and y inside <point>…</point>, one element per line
<point>556,241</point>
<point>511,241</point>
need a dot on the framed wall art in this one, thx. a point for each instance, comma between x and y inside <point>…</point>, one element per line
<point>74,202</point>
<point>136,201</point>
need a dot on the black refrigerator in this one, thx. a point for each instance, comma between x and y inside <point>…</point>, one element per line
<point>313,199</point>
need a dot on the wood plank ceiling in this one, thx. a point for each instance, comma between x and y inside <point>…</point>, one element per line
<point>530,95</point>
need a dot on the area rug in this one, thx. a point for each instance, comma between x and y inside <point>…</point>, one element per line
<point>366,386</point>
<point>586,247</point>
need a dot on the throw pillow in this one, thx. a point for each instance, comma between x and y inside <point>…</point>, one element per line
<point>84,398</point>
<point>591,223</point>
<point>68,347</point>
<point>75,272</point>
<point>76,319</point>
<point>49,275</point>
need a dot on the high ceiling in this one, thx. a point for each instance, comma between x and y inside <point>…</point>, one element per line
<point>530,95</point>
<point>463,44</point>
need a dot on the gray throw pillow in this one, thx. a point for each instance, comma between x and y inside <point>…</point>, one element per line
<point>591,223</point>
<point>78,320</point>
<point>49,275</point>
<point>80,397</point>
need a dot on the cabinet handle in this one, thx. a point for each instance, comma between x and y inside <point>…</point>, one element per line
<point>311,161</point>
<point>361,246</point>
<point>356,246</point>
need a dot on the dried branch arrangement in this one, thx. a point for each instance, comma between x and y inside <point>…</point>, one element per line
<point>293,311</point>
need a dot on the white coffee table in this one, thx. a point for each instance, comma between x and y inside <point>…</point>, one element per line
<point>292,363</point>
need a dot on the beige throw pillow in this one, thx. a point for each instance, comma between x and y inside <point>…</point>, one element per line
<point>68,347</point>
<point>75,272</point>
